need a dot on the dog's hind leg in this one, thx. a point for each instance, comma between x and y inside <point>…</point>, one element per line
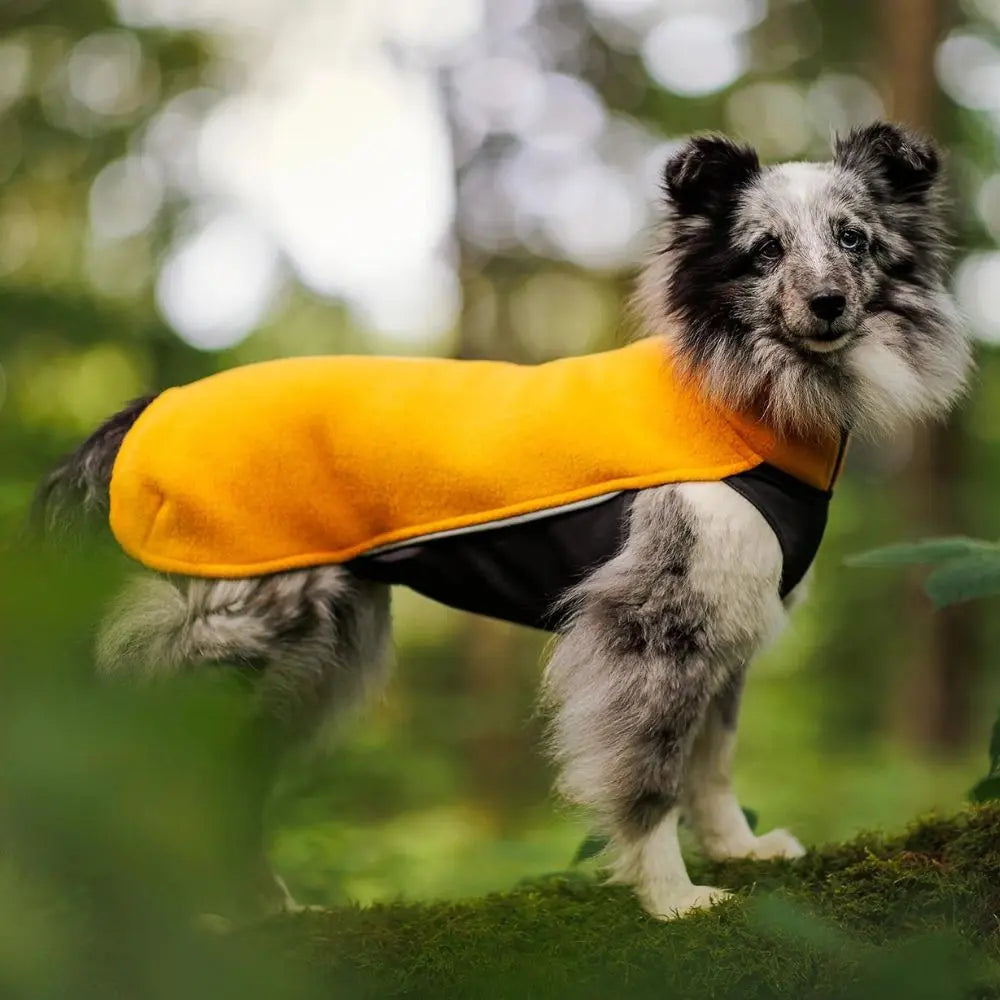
<point>652,642</point>
<point>710,803</point>
<point>310,643</point>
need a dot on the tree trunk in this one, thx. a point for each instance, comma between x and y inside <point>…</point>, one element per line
<point>934,692</point>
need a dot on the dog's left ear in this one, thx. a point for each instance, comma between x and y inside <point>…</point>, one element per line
<point>707,174</point>
<point>896,161</point>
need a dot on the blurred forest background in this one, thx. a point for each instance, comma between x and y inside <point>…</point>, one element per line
<point>186,185</point>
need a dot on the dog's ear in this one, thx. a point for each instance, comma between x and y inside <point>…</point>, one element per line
<point>706,175</point>
<point>900,164</point>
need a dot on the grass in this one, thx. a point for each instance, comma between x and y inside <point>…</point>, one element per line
<point>913,915</point>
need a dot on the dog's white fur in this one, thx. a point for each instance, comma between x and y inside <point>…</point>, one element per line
<point>738,561</point>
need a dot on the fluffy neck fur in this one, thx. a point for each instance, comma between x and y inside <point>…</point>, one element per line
<point>910,363</point>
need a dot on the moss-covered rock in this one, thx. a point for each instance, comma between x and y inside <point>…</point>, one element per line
<point>914,915</point>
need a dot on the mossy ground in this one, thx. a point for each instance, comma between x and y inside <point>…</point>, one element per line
<point>913,915</point>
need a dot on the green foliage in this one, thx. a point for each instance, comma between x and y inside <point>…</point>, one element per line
<point>930,550</point>
<point>970,568</point>
<point>907,916</point>
<point>590,847</point>
<point>965,579</point>
<point>988,789</point>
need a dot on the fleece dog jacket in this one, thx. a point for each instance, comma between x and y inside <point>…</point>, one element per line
<point>493,487</point>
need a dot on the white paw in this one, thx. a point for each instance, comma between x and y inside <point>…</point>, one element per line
<point>776,844</point>
<point>698,897</point>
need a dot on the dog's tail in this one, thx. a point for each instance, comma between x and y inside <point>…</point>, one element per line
<point>77,490</point>
<point>164,625</point>
<point>159,625</point>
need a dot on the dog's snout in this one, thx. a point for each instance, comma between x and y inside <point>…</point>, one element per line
<point>828,305</point>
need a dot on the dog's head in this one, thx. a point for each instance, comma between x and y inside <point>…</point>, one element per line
<point>812,291</point>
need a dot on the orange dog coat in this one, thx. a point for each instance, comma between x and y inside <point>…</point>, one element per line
<point>309,461</point>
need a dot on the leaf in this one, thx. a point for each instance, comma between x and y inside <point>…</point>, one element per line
<point>591,846</point>
<point>752,819</point>
<point>987,790</point>
<point>930,550</point>
<point>964,579</point>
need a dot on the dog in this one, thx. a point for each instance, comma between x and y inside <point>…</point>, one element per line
<point>807,299</point>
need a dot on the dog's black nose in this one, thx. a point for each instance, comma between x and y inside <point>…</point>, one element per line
<point>827,305</point>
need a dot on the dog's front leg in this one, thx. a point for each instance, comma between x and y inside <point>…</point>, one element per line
<point>630,681</point>
<point>655,637</point>
<point>709,801</point>
<point>626,713</point>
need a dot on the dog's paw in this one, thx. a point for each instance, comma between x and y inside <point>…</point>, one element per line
<point>775,844</point>
<point>698,897</point>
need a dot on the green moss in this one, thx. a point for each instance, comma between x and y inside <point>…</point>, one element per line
<point>911,915</point>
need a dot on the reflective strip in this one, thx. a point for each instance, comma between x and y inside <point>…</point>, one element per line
<point>535,515</point>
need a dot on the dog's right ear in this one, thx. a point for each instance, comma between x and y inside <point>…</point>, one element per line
<point>898,163</point>
<point>705,176</point>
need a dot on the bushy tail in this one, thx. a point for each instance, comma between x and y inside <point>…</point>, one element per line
<point>77,490</point>
<point>159,625</point>
<point>163,625</point>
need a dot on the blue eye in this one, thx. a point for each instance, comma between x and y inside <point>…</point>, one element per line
<point>769,249</point>
<point>852,239</point>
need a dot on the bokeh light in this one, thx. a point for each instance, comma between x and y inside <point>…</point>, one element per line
<point>340,157</point>
<point>968,68</point>
<point>125,197</point>
<point>104,72</point>
<point>15,69</point>
<point>694,54</point>
<point>839,101</point>
<point>218,283</point>
<point>772,116</point>
<point>977,287</point>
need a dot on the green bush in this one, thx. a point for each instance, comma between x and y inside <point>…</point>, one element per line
<point>965,569</point>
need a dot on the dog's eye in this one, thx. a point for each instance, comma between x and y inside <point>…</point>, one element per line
<point>852,239</point>
<point>769,249</point>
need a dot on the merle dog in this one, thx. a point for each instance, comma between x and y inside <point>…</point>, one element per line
<point>814,292</point>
